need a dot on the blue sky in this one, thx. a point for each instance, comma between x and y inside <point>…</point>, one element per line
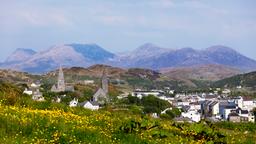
<point>123,25</point>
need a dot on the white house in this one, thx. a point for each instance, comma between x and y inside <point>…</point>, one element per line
<point>210,108</point>
<point>28,92</point>
<point>183,103</point>
<point>239,87</point>
<point>35,85</point>
<point>90,105</point>
<point>239,101</point>
<point>140,94</point>
<point>58,100</point>
<point>195,106</point>
<point>86,82</point>
<point>227,111</point>
<point>193,115</point>
<point>251,117</point>
<point>166,98</point>
<point>37,96</point>
<point>73,103</point>
<point>242,115</point>
<point>249,103</point>
<point>215,108</point>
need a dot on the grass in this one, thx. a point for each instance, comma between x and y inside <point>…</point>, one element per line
<point>77,125</point>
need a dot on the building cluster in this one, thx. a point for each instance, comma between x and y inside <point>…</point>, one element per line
<point>210,106</point>
<point>34,91</point>
<point>193,107</point>
<point>99,98</point>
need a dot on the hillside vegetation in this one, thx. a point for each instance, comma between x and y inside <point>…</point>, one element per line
<point>245,80</point>
<point>27,121</point>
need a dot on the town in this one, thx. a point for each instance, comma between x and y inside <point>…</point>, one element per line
<point>214,106</point>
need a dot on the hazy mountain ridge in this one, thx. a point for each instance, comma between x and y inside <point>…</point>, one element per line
<point>184,57</point>
<point>20,55</point>
<point>66,55</point>
<point>146,56</point>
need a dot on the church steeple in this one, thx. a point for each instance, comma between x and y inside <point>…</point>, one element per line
<point>61,80</point>
<point>104,81</point>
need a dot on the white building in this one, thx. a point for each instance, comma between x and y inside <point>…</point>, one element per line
<point>35,85</point>
<point>58,100</point>
<point>239,101</point>
<point>37,96</point>
<point>195,106</point>
<point>140,94</point>
<point>90,105</point>
<point>28,92</point>
<point>193,115</point>
<point>183,103</point>
<point>210,108</point>
<point>215,108</point>
<point>86,82</point>
<point>239,87</point>
<point>227,111</point>
<point>249,104</point>
<point>73,103</point>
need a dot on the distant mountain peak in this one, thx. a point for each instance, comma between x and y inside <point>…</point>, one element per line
<point>92,51</point>
<point>19,55</point>
<point>220,48</point>
<point>147,55</point>
<point>149,46</point>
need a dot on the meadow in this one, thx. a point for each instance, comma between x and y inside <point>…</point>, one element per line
<point>25,121</point>
<point>77,125</point>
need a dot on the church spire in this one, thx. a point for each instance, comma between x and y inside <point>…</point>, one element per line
<point>104,81</point>
<point>61,80</point>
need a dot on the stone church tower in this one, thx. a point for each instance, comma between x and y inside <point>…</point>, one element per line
<point>104,82</point>
<point>60,86</point>
<point>101,96</point>
<point>61,81</point>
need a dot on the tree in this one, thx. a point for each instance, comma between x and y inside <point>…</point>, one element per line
<point>153,104</point>
<point>133,99</point>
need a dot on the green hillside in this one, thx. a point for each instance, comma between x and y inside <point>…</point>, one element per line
<point>245,80</point>
<point>27,121</point>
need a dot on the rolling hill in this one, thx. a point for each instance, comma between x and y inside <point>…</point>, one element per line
<point>203,72</point>
<point>244,80</point>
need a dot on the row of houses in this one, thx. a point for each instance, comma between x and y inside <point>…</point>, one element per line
<point>210,106</point>
<point>216,108</point>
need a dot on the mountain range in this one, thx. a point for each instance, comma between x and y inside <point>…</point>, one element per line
<point>146,56</point>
